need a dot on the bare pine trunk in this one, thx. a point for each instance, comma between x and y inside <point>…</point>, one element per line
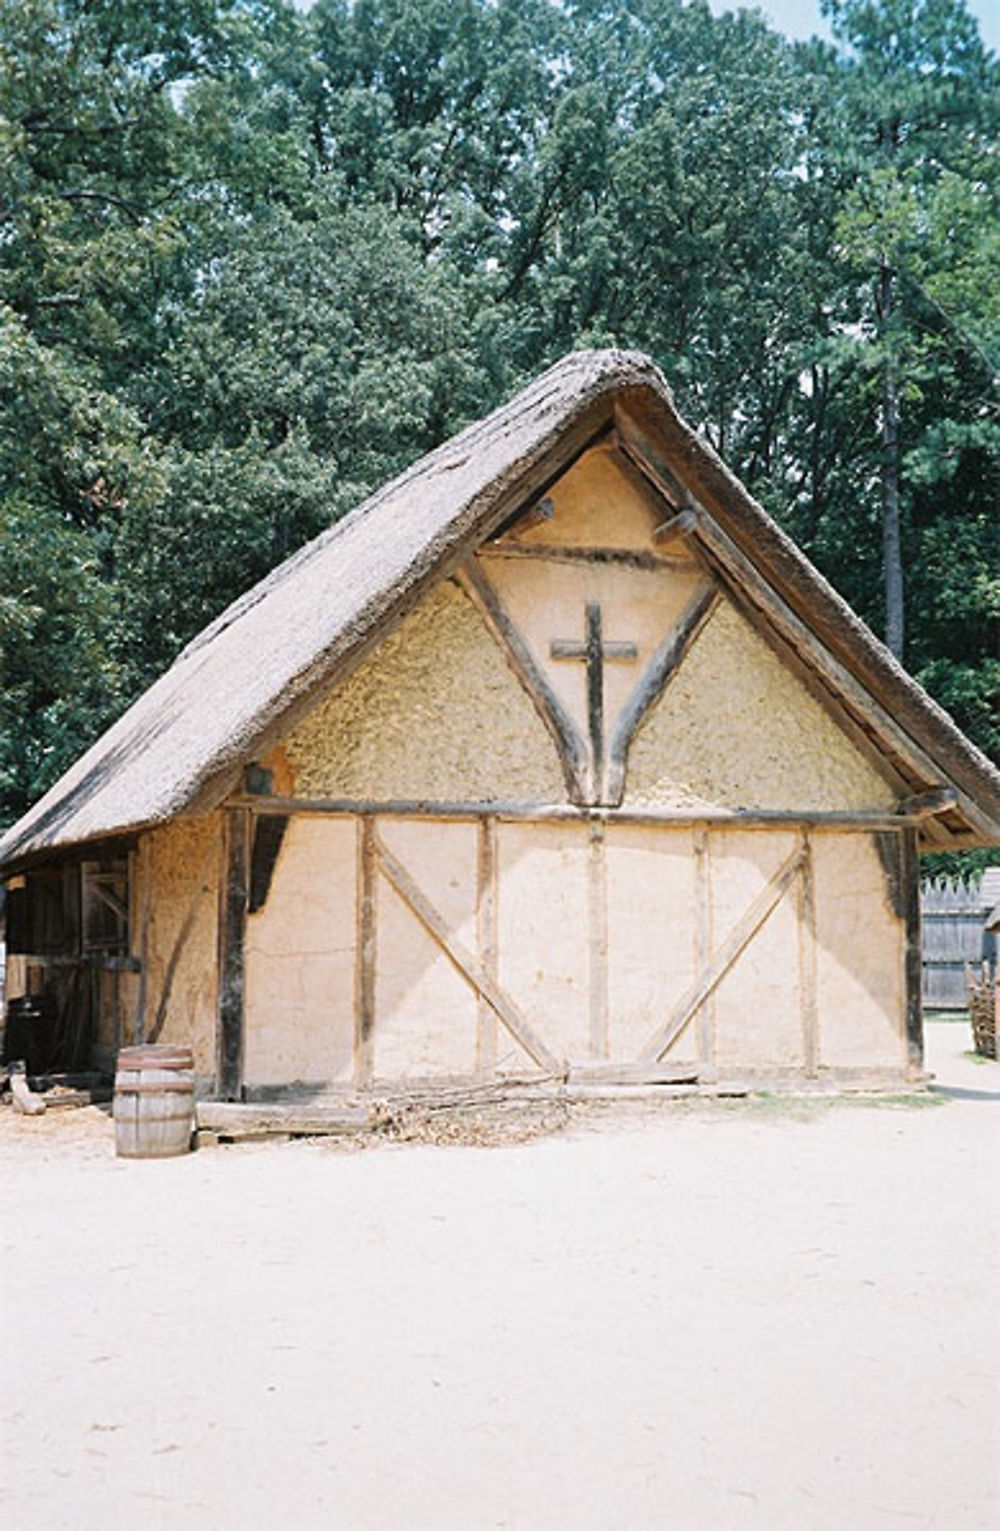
<point>892,551</point>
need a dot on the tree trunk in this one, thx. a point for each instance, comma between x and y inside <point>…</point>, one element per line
<point>892,551</point>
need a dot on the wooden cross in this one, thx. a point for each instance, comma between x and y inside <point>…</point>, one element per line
<point>594,651</point>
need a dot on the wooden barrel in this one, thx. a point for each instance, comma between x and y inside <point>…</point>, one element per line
<point>154,1102</point>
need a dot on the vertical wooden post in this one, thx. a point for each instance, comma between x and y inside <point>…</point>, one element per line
<point>232,933</point>
<point>145,877</point>
<point>597,908</point>
<point>486,937</point>
<point>116,1036</point>
<point>703,946</point>
<point>909,891</point>
<point>365,952</point>
<point>807,959</point>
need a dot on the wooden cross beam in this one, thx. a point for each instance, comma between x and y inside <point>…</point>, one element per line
<point>595,652</point>
<point>724,957</point>
<point>484,984</point>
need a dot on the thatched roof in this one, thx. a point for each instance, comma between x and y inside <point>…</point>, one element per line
<point>181,746</point>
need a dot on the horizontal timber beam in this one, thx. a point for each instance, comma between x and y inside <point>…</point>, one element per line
<point>736,818</point>
<point>925,805</point>
<point>554,552</point>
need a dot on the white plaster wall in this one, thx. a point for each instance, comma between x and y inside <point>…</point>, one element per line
<point>543,937</point>
<point>434,714</point>
<point>758,1014</point>
<point>176,867</point>
<point>735,728</point>
<point>860,942</point>
<point>300,952</point>
<point>652,924</point>
<point>425,1011</point>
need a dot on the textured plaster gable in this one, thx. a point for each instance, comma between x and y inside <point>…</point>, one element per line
<point>736,729</point>
<point>433,714</point>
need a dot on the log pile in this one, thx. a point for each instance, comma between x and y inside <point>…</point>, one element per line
<point>984,1002</point>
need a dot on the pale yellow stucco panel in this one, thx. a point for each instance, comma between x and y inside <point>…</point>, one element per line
<point>735,728</point>
<point>543,936</point>
<point>596,503</point>
<point>425,1011</point>
<point>434,714</point>
<point>758,1012</point>
<point>300,960</point>
<point>652,930</point>
<point>177,870</point>
<point>860,981</point>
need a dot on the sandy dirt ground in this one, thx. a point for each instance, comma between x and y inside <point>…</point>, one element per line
<point>695,1315</point>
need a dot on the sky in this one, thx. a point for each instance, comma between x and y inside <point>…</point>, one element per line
<point>801,18</point>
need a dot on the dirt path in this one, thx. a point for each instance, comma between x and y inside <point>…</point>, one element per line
<point>700,1316</point>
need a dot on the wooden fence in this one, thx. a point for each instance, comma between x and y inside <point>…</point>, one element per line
<point>953,916</point>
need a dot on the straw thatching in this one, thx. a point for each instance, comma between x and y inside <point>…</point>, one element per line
<point>181,745</point>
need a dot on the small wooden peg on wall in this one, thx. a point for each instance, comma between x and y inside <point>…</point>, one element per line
<point>677,529</point>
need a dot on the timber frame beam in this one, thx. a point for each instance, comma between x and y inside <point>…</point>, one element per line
<point>735,818</point>
<point>232,933</point>
<point>569,742</point>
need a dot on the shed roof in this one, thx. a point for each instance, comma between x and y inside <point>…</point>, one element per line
<point>181,745</point>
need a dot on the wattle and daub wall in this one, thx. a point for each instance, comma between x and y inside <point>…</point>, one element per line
<point>460,932</point>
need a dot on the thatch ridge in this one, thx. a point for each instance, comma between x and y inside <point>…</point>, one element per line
<point>180,745</point>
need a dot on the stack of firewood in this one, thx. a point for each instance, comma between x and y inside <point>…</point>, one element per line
<point>984,1003</point>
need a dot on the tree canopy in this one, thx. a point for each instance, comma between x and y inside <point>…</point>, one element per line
<point>255,259</point>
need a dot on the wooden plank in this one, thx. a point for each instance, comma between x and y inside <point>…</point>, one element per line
<point>571,747</point>
<point>143,861</point>
<point>663,665</point>
<point>487,941</point>
<point>574,813</point>
<point>909,889</point>
<point>366,950</point>
<point>240,1119</point>
<point>597,918</point>
<point>807,960</point>
<point>703,944</point>
<point>636,1073</point>
<point>736,942</point>
<point>563,553</point>
<point>232,975</point>
<point>472,971</point>
<point>643,454</point>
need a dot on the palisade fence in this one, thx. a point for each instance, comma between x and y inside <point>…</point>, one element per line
<point>954,937</point>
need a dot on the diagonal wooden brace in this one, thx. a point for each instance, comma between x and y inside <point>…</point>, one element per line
<point>737,940</point>
<point>475,975</point>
